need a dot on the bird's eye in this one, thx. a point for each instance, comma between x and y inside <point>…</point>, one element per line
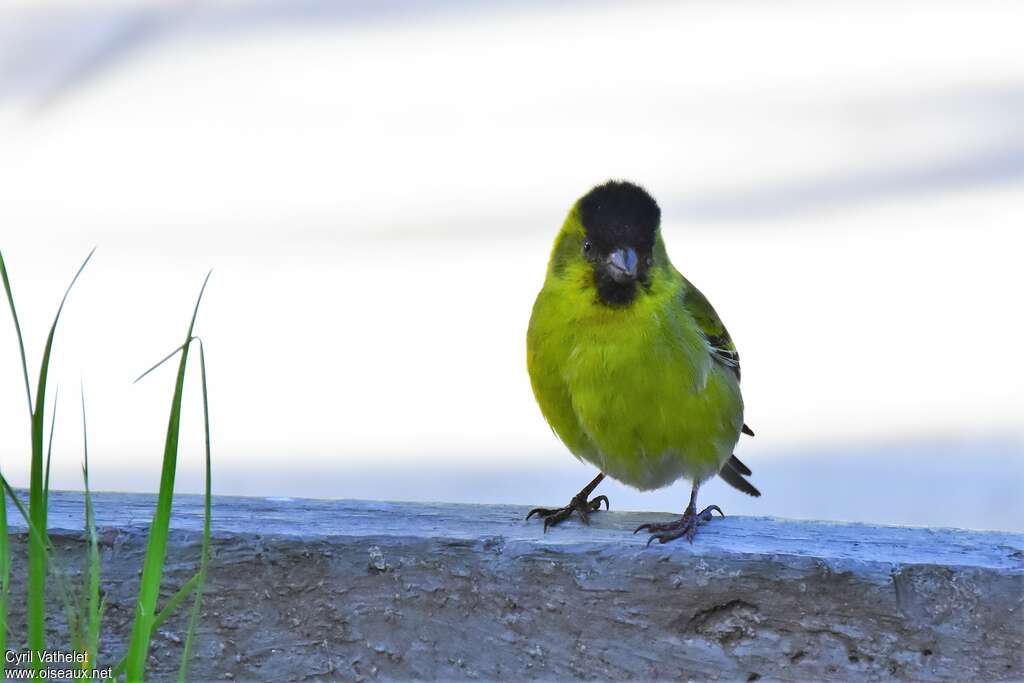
<point>586,245</point>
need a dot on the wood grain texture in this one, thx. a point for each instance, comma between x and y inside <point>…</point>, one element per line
<point>349,590</point>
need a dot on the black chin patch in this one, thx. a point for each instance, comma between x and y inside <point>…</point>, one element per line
<point>620,214</point>
<point>614,293</point>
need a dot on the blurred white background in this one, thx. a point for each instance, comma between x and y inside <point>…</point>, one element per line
<point>377,185</point>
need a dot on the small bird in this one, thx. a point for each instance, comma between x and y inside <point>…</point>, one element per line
<point>631,366</point>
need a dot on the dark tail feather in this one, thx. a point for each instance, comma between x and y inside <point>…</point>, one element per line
<point>748,431</point>
<point>736,480</point>
<point>735,463</point>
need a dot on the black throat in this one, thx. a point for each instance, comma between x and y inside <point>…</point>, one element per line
<point>612,293</point>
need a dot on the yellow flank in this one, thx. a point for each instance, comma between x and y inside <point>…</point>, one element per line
<point>633,390</point>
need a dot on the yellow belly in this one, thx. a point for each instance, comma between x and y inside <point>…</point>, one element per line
<point>634,391</point>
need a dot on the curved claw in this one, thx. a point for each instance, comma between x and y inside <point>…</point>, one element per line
<point>684,527</point>
<point>579,505</point>
<point>706,515</point>
<point>541,512</point>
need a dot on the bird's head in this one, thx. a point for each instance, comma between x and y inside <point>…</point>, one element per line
<point>612,231</point>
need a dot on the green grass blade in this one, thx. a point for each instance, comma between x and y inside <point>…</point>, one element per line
<point>204,557</point>
<point>33,530</point>
<point>5,556</point>
<point>36,609</point>
<point>163,360</point>
<point>156,549</point>
<point>176,600</point>
<point>5,576</point>
<point>93,608</point>
<point>17,328</point>
<point>161,617</point>
<point>37,536</point>
<point>18,504</point>
<point>49,450</point>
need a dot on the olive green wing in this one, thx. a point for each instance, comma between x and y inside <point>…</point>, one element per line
<point>720,343</point>
<point>723,351</point>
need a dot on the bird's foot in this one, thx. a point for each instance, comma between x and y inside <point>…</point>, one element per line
<point>684,526</point>
<point>579,504</point>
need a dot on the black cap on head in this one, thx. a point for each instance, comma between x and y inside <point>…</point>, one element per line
<point>620,214</point>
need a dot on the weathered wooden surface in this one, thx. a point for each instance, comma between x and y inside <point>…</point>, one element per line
<point>343,590</point>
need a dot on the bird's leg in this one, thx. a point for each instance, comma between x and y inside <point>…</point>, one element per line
<point>685,525</point>
<point>580,504</point>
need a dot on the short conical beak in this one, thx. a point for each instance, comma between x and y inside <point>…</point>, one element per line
<point>622,265</point>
